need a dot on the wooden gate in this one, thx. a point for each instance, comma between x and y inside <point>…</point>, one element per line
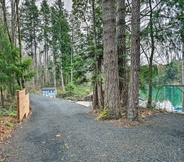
<point>22,104</point>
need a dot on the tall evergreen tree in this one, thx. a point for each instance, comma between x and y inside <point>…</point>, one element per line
<point>97,22</point>
<point>29,29</point>
<point>60,41</point>
<point>121,49</point>
<point>111,79</point>
<point>90,49</point>
<point>44,37</point>
<point>8,59</point>
<point>11,66</point>
<point>132,109</point>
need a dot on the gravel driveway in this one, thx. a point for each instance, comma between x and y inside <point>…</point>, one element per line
<point>60,130</point>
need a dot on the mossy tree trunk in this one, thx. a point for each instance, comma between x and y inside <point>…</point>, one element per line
<point>111,76</point>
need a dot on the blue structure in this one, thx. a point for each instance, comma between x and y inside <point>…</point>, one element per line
<point>51,92</point>
<point>177,108</point>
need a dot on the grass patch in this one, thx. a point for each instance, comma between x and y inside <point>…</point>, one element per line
<point>82,90</point>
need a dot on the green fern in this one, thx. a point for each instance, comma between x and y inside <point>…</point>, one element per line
<point>103,115</point>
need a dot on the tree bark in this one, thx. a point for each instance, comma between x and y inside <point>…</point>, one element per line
<point>62,80</point>
<point>149,104</point>
<point>2,98</point>
<point>13,17</point>
<point>132,110</point>
<point>183,77</point>
<point>54,72</point>
<point>121,49</point>
<point>35,57</point>
<point>19,41</point>
<point>111,76</point>
<point>95,96</point>
<point>98,86</point>
<point>3,3</point>
<point>46,67</point>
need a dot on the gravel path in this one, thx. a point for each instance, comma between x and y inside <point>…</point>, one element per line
<point>60,130</point>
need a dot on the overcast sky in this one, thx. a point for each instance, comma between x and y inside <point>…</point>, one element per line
<point>68,3</point>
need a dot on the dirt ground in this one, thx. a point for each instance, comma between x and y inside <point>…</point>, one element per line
<point>85,103</point>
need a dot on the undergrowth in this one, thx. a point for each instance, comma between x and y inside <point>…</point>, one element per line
<point>11,112</point>
<point>74,92</point>
<point>8,119</point>
<point>103,114</point>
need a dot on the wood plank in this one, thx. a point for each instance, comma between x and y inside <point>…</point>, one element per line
<point>22,104</point>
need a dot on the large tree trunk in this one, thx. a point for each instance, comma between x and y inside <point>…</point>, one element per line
<point>54,71</point>
<point>36,60</point>
<point>98,84</point>
<point>132,110</point>
<point>46,68</point>
<point>121,49</point>
<point>111,76</point>
<point>95,96</point>
<point>19,40</point>
<point>183,77</point>
<point>95,86</point>
<point>149,104</point>
<point>62,80</point>
<point>13,17</point>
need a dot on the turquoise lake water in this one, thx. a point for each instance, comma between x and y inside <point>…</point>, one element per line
<point>171,93</point>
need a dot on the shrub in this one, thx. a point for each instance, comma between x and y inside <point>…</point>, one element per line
<point>70,87</point>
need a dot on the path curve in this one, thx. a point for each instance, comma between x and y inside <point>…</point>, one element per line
<point>60,130</point>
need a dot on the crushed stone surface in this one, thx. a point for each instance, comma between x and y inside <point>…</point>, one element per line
<point>63,131</point>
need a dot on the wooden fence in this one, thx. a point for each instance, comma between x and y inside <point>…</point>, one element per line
<point>22,104</point>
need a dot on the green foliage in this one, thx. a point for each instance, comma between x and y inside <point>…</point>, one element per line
<point>175,10</point>
<point>173,72</point>
<point>170,73</point>
<point>108,114</point>
<point>77,93</point>
<point>70,87</point>
<point>60,39</point>
<point>29,75</point>
<point>11,111</point>
<point>26,64</point>
<point>86,51</point>
<point>9,63</point>
<point>82,90</point>
<point>29,25</point>
<point>103,115</point>
<point>7,123</point>
<point>144,76</point>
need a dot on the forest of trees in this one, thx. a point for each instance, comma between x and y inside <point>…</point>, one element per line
<point>116,45</point>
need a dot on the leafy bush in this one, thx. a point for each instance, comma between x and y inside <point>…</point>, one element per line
<point>70,87</point>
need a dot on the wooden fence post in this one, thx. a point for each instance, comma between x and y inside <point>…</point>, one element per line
<point>22,104</point>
